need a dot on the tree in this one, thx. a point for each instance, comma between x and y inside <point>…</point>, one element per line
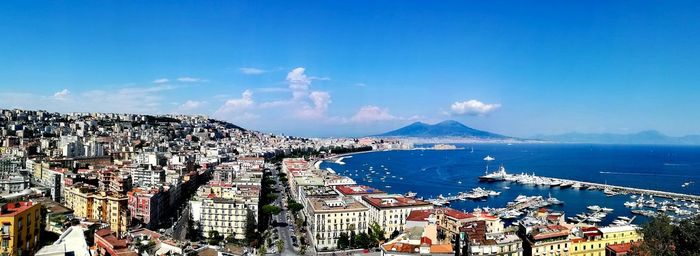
<point>271,210</point>
<point>658,237</point>
<point>376,234</point>
<point>251,234</point>
<point>271,197</point>
<point>687,236</point>
<point>362,240</point>
<point>394,234</point>
<point>280,246</point>
<point>295,207</point>
<point>352,238</point>
<point>343,241</point>
<point>231,239</point>
<point>214,237</point>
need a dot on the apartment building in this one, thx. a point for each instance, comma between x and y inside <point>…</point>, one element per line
<point>390,211</point>
<point>89,203</point>
<point>329,217</point>
<point>20,228</point>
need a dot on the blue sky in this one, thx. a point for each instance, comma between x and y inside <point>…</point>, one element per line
<point>321,68</point>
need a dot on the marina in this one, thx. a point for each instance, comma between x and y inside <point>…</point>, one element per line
<point>445,176</point>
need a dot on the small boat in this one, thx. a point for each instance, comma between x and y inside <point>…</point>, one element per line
<point>593,219</point>
<point>625,218</point>
<point>410,194</point>
<point>594,208</point>
<point>553,200</point>
<point>606,209</point>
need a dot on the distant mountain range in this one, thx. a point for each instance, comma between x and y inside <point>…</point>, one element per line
<point>449,128</point>
<point>453,131</point>
<point>644,137</point>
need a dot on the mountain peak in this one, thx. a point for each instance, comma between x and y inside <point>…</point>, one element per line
<point>447,128</point>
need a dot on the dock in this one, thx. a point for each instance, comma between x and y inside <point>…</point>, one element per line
<point>630,190</point>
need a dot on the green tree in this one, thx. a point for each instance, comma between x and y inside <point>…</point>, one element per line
<point>251,233</point>
<point>214,237</point>
<point>295,207</point>
<point>394,234</point>
<point>271,210</point>
<point>363,240</point>
<point>687,236</point>
<point>658,237</point>
<point>352,238</point>
<point>280,246</point>
<point>376,234</point>
<point>343,241</point>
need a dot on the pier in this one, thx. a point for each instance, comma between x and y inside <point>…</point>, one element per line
<point>630,190</point>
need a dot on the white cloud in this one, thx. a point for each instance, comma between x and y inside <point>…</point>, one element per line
<point>237,105</point>
<point>251,71</point>
<point>360,84</point>
<point>161,81</point>
<point>191,105</point>
<point>320,101</point>
<point>187,79</point>
<point>298,82</point>
<point>368,114</point>
<point>61,95</point>
<point>473,108</point>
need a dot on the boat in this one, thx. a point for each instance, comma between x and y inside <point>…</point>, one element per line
<point>594,208</point>
<point>553,200</point>
<point>576,185</point>
<point>593,219</point>
<point>606,209</point>
<point>609,192</point>
<point>566,184</point>
<point>625,218</point>
<point>630,204</point>
<point>499,175</point>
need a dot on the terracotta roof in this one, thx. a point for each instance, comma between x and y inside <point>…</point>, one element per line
<point>12,209</point>
<point>357,190</point>
<point>621,248</point>
<point>393,202</point>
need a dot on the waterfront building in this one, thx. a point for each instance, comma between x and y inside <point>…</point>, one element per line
<point>20,228</point>
<point>594,241</point>
<point>475,239</point>
<point>357,191</point>
<point>390,211</point>
<point>329,217</point>
<point>418,240</point>
<point>450,221</point>
<point>546,240</point>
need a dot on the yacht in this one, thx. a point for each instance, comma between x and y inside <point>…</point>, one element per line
<point>576,185</point>
<point>606,209</point>
<point>593,219</point>
<point>499,175</point>
<point>594,208</point>
<point>553,200</point>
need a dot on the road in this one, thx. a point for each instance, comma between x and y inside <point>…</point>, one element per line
<point>283,230</point>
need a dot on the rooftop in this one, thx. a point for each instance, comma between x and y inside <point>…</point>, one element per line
<point>393,201</point>
<point>338,204</point>
<point>12,209</point>
<point>357,190</point>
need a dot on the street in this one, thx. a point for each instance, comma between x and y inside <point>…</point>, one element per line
<point>283,230</point>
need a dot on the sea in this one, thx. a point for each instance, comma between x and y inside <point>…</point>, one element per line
<point>446,172</point>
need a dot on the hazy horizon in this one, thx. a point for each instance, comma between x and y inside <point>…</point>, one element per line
<point>358,68</point>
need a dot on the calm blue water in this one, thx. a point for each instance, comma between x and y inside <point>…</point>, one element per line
<point>434,172</point>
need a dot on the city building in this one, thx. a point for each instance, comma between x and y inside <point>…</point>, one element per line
<point>225,216</point>
<point>20,228</point>
<point>329,217</point>
<point>546,240</point>
<point>89,203</point>
<point>475,239</point>
<point>390,211</point>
